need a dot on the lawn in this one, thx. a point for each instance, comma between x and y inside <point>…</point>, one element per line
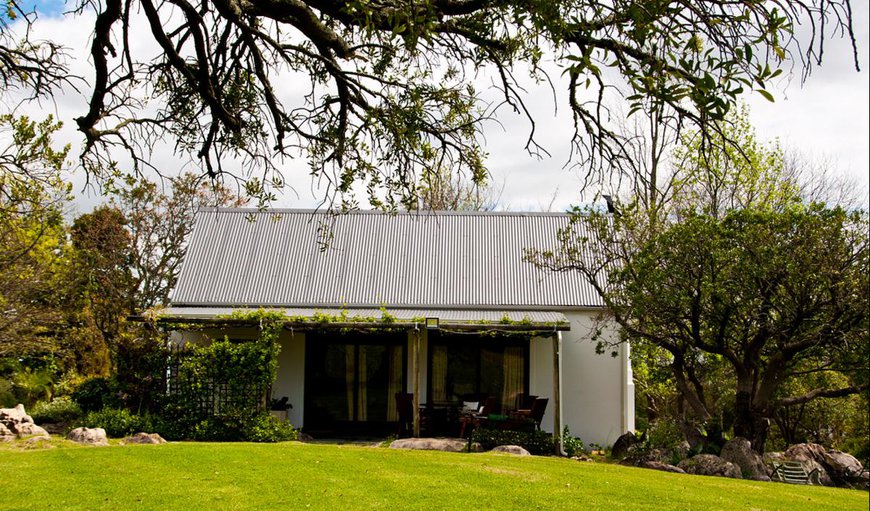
<point>313,476</point>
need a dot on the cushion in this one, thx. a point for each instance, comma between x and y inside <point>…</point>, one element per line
<point>469,406</point>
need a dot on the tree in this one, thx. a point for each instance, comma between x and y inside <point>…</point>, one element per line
<point>444,191</point>
<point>103,282</point>
<point>388,86</point>
<point>738,285</point>
<point>159,224</point>
<point>33,248</point>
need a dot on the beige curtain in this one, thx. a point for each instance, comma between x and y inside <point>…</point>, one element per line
<point>362,393</point>
<point>439,374</point>
<point>395,384</point>
<point>513,375</point>
<point>349,378</point>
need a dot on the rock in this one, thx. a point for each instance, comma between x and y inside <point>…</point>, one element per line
<point>144,438</point>
<point>26,429</point>
<point>739,452</point>
<point>664,467</point>
<point>431,444</point>
<point>842,466</point>
<point>38,442</point>
<point>304,437</point>
<point>812,457</point>
<point>6,434</point>
<point>89,436</point>
<point>511,449</point>
<point>16,415</point>
<point>710,465</point>
<point>624,445</point>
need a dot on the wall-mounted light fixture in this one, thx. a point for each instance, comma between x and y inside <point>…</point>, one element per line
<point>432,324</point>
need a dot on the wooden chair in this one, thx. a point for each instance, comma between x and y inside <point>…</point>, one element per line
<point>405,409</point>
<point>793,472</point>
<point>535,413</point>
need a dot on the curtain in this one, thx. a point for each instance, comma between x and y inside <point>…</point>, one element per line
<point>349,377</point>
<point>439,374</point>
<point>512,369</point>
<point>362,392</point>
<point>394,385</point>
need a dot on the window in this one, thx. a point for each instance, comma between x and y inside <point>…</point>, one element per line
<point>469,368</point>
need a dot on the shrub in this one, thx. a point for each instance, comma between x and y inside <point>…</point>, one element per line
<point>95,394</point>
<point>118,423</point>
<point>61,409</point>
<point>268,428</point>
<point>536,442</point>
<point>572,445</point>
<point>260,427</point>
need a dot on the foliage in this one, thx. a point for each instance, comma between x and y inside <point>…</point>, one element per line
<point>117,422</point>
<point>536,442</point>
<point>387,88</point>
<point>94,394</point>
<point>572,445</point>
<point>159,223</point>
<point>243,476</point>
<point>243,371</point>
<point>60,409</point>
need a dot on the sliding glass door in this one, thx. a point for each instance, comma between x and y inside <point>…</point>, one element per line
<point>470,368</point>
<point>351,381</point>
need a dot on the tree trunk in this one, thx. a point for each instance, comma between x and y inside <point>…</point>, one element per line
<point>750,421</point>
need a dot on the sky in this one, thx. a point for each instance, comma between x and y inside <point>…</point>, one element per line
<point>826,118</point>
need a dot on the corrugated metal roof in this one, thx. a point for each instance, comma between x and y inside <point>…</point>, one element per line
<point>293,258</point>
<point>445,316</point>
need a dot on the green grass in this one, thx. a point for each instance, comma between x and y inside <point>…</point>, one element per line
<point>305,476</point>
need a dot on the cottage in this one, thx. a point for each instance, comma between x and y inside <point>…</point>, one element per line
<point>468,318</point>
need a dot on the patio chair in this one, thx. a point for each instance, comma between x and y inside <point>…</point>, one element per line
<point>535,413</point>
<point>793,472</point>
<point>405,409</point>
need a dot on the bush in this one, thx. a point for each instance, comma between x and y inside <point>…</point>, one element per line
<point>268,428</point>
<point>572,445</point>
<point>61,409</point>
<point>95,394</point>
<point>536,442</point>
<point>260,427</point>
<point>118,423</point>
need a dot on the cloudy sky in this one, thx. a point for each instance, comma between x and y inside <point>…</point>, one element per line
<point>827,118</point>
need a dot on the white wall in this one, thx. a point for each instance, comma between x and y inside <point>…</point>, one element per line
<point>291,375</point>
<point>597,390</point>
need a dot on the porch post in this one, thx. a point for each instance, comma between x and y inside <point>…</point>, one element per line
<point>416,358</point>
<point>557,393</point>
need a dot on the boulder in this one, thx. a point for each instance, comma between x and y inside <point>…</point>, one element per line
<point>88,436</point>
<point>6,434</point>
<point>843,467</point>
<point>38,442</point>
<point>304,437</point>
<point>710,465</point>
<point>812,457</point>
<point>623,445</point>
<point>739,452</point>
<point>26,429</point>
<point>18,423</point>
<point>511,449</point>
<point>144,438</point>
<point>664,467</point>
<point>431,444</point>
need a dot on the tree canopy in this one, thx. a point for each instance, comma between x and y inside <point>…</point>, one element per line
<point>380,94</point>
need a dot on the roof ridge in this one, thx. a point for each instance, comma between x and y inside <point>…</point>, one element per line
<point>366,212</point>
